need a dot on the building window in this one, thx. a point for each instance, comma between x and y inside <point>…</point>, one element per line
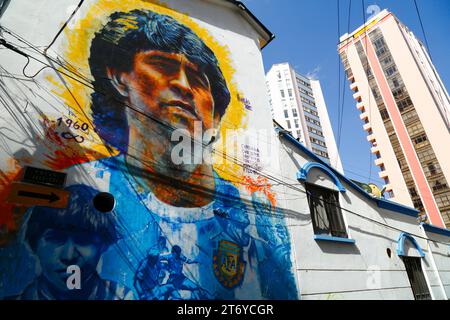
<point>432,168</point>
<point>282,93</point>
<point>296,123</point>
<point>416,278</point>
<point>438,186</point>
<point>326,213</point>
<point>418,204</point>
<point>404,104</point>
<point>391,70</point>
<point>413,192</point>
<point>384,114</point>
<point>286,114</point>
<point>387,61</point>
<point>315,131</point>
<point>379,43</point>
<point>398,93</point>
<point>420,139</point>
<point>395,83</point>
<point>288,124</point>
<point>290,92</point>
<point>294,112</point>
<point>317,123</point>
<point>375,94</point>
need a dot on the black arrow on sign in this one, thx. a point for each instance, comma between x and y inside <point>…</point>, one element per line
<point>50,197</point>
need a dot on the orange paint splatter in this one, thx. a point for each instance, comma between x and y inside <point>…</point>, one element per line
<point>62,153</point>
<point>10,214</point>
<point>260,184</point>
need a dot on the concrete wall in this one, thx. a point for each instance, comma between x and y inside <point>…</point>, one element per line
<point>332,149</point>
<point>202,228</point>
<point>235,225</point>
<point>363,270</point>
<point>383,144</point>
<point>440,251</point>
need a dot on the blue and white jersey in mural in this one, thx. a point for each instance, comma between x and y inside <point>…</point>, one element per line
<point>224,250</point>
<point>227,249</point>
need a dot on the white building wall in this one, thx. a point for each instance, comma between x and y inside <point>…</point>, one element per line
<point>333,152</point>
<point>363,270</point>
<point>440,249</point>
<point>381,142</point>
<point>288,81</point>
<point>323,270</point>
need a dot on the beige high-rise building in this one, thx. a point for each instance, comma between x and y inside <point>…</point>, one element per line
<point>297,103</point>
<point>405,109</point>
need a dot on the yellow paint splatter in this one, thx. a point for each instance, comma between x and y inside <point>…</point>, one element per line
<point>77,49</point>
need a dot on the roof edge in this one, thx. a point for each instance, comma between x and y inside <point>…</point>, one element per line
<point>381,203</point>
<point>434,229</point>
<point>269,35</point>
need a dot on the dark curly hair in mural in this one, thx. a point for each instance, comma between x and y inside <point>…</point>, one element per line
<point>116,44</point>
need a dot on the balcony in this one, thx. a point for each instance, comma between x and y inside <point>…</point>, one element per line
<point>360,105</point>
<point>379,162</point>
<point>375,149</point>
<point>350,77</point>
<point>389,187</point>
<point>383,174</point>
<point>364,115</point>
<point>354,86</point>
<point>367,126</point>
<point>357,96</point>
<point>371,138</point>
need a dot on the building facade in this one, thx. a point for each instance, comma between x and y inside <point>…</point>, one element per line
<point>297,103</point>
<point>405,108</point>
<point>351,245</point>
<point>100,201</point>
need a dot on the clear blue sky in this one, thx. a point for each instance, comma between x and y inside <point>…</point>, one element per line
<point>307,35</point>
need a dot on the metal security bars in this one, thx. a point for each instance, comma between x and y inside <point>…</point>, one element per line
<point>416,278</point>
<point>326,213</point>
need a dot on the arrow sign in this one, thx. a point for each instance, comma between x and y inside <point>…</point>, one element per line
<point>50,197</point>
<point>35,195</point>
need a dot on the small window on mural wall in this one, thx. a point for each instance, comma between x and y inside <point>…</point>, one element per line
<point>326,213</point>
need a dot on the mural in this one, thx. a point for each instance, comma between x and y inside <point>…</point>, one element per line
<point>175,230</point>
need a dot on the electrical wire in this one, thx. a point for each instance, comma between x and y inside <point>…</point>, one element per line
<point>339,76</point>
<point>88,84</point>
<point>347,210</point>
<point>423,29</point>
<point>366,36</point>
<point>341,106</point>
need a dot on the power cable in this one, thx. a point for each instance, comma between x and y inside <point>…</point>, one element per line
<point>339,76</point>
<point>342,102</point>
<point>423,29</point>
<point>366,38</point>
<point>344,209</point>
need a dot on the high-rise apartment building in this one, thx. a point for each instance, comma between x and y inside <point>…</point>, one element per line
<point>406,110</point>
<point>297,103</point>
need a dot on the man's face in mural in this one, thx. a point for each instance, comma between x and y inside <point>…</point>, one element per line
<point>59,249</point>
<point>168,87</point>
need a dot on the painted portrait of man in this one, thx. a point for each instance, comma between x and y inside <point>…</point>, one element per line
<point>71,241</point>
<point>186,232</point>
<point>153,76</point>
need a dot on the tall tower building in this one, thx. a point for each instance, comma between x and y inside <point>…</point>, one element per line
<point>405,109</point>
<point>297,103</point>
